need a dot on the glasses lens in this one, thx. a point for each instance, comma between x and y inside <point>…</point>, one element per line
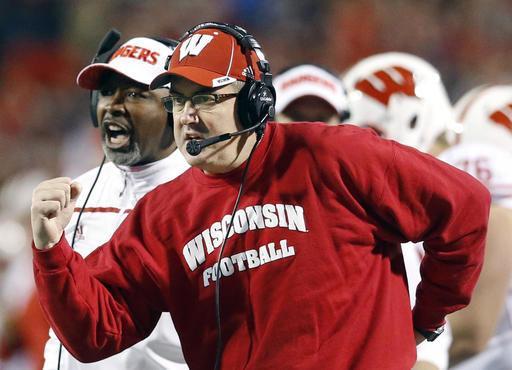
<point>203,101</point>
<point>178,102</point>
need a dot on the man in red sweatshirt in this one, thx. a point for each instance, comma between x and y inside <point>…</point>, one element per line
<point>279,248</point>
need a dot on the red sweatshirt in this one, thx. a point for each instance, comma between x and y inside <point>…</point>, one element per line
<point>312,273</point>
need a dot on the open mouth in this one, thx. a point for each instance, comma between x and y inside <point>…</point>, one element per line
<point>192,136</point>
<point>116,136</point>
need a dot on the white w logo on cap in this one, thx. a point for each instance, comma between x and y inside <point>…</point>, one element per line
<point>194,45</point>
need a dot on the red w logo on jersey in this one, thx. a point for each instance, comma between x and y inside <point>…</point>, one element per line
<point>503,116</point>
<point>384,83</point>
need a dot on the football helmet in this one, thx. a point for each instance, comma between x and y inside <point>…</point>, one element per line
<point>402,97</point>
<point>485,113</point>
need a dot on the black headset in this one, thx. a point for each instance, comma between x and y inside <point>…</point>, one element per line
<point>106,49</point>
<point>256,100</point>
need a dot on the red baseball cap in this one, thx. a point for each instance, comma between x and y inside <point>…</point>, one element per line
<point>210,57</point>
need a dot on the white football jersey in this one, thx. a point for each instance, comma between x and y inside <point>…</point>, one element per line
<point>492,166</point>
<point>489,164</point>
<point>115,194</point>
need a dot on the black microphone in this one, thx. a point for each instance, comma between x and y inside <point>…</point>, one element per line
<point>194,147</point>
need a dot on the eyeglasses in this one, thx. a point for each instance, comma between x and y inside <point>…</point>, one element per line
<point>176,102</point>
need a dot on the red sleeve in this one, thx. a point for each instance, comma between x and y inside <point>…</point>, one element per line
<point>406,195</point>
<point>424,199</point>
<point>107,302</point>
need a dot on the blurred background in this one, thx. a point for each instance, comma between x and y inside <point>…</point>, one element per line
<point>44,122</point>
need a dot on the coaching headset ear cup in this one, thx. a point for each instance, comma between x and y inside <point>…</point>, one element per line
<point>254,101</point>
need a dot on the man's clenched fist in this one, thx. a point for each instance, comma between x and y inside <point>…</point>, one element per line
<point>53,202</point>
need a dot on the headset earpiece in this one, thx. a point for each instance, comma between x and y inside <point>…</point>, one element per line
<point>105,50</point>
<point>254,102</point>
